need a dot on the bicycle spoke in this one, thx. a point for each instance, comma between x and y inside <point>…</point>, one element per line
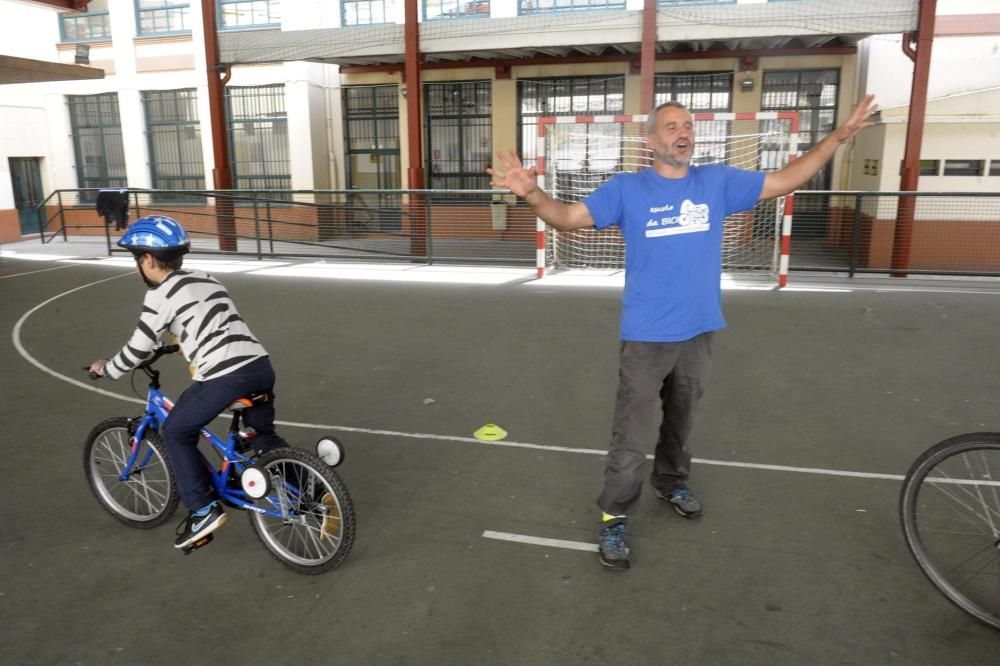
<point>298,538</point>
<point>951,516</point>
<point>145,497</point>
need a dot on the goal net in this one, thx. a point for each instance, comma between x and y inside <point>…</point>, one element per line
<point>578,153</point>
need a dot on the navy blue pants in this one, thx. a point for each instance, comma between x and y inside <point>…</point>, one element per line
<point>197,407</point>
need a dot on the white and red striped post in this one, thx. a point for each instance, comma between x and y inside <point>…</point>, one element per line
<point>786,241</point>
<point>786,219</point>
<point>540,174</point>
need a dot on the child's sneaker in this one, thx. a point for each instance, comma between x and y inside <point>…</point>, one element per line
<point>682,501</point>
<point>611,548</point>
<point>196,527</point>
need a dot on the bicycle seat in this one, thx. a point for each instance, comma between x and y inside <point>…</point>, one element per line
<point>248,401</point>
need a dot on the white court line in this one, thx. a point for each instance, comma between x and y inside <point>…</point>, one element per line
<point>492,275</point>
<point>40,270</point>
<point>596,452</point>
<point>16,339</point>
<point>421,274</point>
<point>34,256</point>
<point>541,541</point>
<point>207,265</point>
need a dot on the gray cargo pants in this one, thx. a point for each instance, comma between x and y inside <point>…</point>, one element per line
<point>659,386</point>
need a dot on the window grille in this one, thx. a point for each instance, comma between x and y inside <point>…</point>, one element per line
<point>97,142</point>
<point>459,128</point>
<point>175,153</point>
<point>258,137</point>
<point>159,17</point>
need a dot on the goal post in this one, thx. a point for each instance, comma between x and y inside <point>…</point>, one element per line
<point>575,154</point>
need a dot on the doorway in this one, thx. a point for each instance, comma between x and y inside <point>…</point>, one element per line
<point>26,176</point>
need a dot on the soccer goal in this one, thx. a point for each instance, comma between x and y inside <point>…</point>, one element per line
<point>578,153</point>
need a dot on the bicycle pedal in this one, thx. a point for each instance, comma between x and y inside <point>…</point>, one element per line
<point>207,539</point>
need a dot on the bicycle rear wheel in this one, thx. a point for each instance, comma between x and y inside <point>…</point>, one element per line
<point>318,534</point>
<point>950,510</point>
<point>148,495</point>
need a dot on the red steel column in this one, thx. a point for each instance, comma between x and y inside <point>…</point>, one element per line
<point>222,176</point>
<point>902,239</point>
<point>415,169</point>
<point>647,58</point>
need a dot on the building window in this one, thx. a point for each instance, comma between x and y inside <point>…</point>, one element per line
<point>570,96</point>
<point>813,93</point>
<point>995,167</point>
<point>240,14</point>
<point>371,136</point>
<point>927,167</point>
<point>160,17</point>
<point>97,142</point>
<point>698,92</point>
<point>459,130</point>
<point>963,167</point>
<point>701,93</point>
<point>258,137</point>
<point>368,12</point>
<point>528,7</point>
<point>449,9</point>
<point>175,157</point>
<point>95,25</point>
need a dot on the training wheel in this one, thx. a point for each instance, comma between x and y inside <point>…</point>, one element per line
<point>330,450</point>
<point>254,482</point>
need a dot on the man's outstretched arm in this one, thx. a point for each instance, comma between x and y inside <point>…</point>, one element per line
<point>799,171</point>
<point>523,182</point>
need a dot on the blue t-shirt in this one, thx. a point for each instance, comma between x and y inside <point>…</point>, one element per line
<point>673,245</point>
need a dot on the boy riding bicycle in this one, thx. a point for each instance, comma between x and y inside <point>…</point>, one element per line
<point>226,360</point>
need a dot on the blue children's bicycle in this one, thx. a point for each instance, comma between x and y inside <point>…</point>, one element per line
<point>297,504</point>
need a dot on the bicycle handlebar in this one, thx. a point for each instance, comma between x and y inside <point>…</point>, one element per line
<point>162,350</point>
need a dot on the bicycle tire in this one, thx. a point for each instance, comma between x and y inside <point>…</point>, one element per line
<point>320,534</point>
<point>950,510</point>
<point>148,497</point>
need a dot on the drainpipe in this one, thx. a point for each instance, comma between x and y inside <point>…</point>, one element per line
<point>415,170</point>
<point>222,176</point>
<point>921,57</point>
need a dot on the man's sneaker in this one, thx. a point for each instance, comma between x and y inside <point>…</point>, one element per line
<point>331,517</point>
<point>611,548</point>
<point>681,499</point>
<point>195,527</point>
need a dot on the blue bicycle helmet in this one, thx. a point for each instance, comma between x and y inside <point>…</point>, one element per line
<point>156,234</point>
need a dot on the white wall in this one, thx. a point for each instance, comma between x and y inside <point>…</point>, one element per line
<point>958,64</point>
<point>27,30</point>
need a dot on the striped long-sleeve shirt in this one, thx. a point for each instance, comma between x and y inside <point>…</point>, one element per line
<point>198,311</point>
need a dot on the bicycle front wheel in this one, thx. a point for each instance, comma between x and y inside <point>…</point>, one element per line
<point>144,495</point>
<point>318,531</point>
<point>950,510</point>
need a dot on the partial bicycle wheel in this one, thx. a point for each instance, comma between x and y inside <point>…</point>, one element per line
<point>950,510</point>
<point>319,531</point>
<point>147,495</point>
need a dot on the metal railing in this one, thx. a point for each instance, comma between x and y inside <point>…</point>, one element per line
<point>952,233</point>
<point>832,231</point>
<point>407,225</point>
